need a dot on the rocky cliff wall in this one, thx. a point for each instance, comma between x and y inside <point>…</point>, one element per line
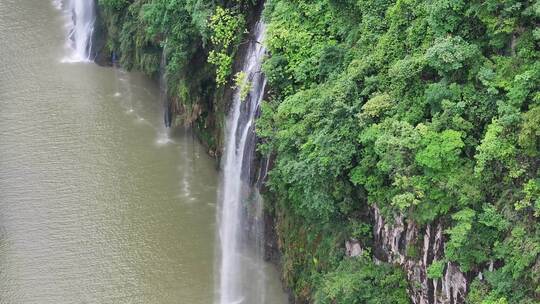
<point>403,242</point>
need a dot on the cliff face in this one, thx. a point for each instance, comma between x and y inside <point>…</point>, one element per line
<point>372,101</point>
<point>412,106</point>
<point>394,243</point>
<point>100,53</point>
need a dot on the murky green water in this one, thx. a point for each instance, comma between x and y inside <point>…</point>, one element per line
<point>96,204</point>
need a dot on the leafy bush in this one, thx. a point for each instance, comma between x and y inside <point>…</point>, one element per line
<point>225,25</point>
<point>358,281</point>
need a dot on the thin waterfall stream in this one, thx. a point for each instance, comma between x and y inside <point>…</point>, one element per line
<point>242,278</point>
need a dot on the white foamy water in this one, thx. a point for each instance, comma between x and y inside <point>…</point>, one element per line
<point>80,20</point>
<point>57,4</point>
<point>164,138</point>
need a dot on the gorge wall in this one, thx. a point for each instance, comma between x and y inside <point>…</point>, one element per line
<point>402,137</point>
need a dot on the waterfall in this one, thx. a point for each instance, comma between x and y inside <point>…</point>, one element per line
<point>82,17</point>
<point>241,278</point>
<point>163,136</point>
<point>163,88</point>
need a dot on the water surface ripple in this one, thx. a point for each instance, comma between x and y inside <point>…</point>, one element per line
<point>92,201</point>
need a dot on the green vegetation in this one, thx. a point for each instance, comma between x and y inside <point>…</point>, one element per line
<point>425,108</point>
<point>358,280</point>
<point>242,84</point>
<point>429,109</point>
<point>225,25</point>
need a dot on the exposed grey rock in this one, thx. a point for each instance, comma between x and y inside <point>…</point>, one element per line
<point>353,248</point>
<point>399,242</point>
<point>455,284</point>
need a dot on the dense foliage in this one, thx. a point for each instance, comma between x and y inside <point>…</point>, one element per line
<point>426,108</point>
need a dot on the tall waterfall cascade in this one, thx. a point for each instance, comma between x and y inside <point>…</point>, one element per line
<point>241,278</point>
<point>81,15</point>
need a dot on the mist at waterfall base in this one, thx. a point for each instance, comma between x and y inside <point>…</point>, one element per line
<point>243,276</point>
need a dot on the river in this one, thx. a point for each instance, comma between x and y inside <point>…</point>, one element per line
<point>97,203</point>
